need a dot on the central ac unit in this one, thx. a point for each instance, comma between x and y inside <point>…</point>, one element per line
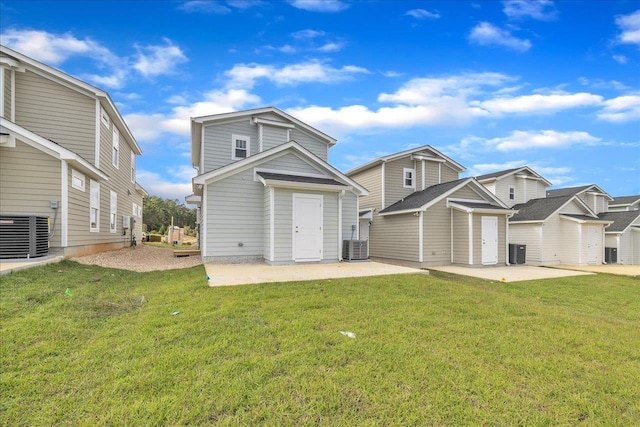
<point>23,236</point>
<point>355,250</point>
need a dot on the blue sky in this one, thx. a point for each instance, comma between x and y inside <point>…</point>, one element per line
<point>492,84</point>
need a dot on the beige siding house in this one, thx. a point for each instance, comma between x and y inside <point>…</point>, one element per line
<point>265,191</point>
<point>419,212</point>
<point>515,186</point>
<point>623,236</point>
<point>67,155</point>
<point>593,196</point>
<point>624,203</point>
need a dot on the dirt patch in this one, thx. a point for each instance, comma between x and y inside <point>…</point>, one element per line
<point>141,258</point>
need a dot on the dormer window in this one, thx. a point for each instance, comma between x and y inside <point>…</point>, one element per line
<point>240,147</point>
<point>409,178</point>
<point>512,193</point>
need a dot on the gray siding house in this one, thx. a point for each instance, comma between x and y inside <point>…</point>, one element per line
<point>66,154</point>
<point>265,191</point>
<point>419,212</point>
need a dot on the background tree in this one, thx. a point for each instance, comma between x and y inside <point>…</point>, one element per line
<point>157,212</point>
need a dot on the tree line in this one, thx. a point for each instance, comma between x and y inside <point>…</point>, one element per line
<point>157,213</point>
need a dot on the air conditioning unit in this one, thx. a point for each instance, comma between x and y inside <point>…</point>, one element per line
<point>353,250</point>
<point>23,236</point>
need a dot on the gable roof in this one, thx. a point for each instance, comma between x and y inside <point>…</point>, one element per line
<point>621,220</point>
<point>539,210</point>
<point>625,200</point>
<point>198,122</point>
<point>496,176</point>
<point>432,152</point>
<point>267,155</point>
<point>421,200</point>
<point>569,191</point>
<point>76,84</point>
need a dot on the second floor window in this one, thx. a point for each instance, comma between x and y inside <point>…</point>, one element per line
<point>240,147</point>
<point>512,193</point>
<point>409,178</point>
<point>116,147</point>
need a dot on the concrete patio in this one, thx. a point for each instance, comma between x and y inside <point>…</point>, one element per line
<point>511,273</point>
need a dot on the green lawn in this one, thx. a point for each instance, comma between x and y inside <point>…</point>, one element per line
<point>429,350</point>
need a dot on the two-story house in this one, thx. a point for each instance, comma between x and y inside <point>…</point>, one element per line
<point>266,192</point>
<point>557,226</point>
<point>421,213</point>
<point>67,159</point>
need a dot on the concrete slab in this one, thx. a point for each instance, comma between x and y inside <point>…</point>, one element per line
<point>511,273</point>
<point>623,270</point>
<point>10,265</point>
<point>240,274</point>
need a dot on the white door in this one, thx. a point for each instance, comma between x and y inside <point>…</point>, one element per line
<point>364,229</point>
<point>489,240</point>
<point>307,227</point>
<point>594,244</point>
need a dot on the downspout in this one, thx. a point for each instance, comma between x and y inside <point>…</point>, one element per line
<point>506,237</point>
<point>421,237</point>
<point>383,190</point>
<point>340,196</point>
<point>451,232</point>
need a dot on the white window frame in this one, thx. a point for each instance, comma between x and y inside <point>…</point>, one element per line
<point>75,175</point>
<point>94,204</point>
<point>133,167</point>
<point>104,118</point>
<point>512,193</point>
<point>113,211</point>
<point>404,178</point>
<point>115,152</point>
<point>234,138</point>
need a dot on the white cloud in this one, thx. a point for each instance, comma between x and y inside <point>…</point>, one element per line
<point>158,60</point>
<point>330,47</point>
<point>54,49</point>
<point>159,185</point>
<point>319,5</point>
<point>538,103</point>
<point>422,14</point>
<point>630,28</point>
<point>245,75</point>
<point>307,34</point>
<point>620,59</point>
<point>528,140</point>
<point>486,34</point>
<point>206,6</point>
<point>621,109</point>
<point>542,10</point>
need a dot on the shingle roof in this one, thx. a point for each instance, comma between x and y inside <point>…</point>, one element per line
<point>421,198</point>
<point>478,205</point>
<point>625,200</point>
<point>569,191</point>
<point>495,174</point>
<point>621,220</point>
<point>539,209</point>
<point>298,178</point>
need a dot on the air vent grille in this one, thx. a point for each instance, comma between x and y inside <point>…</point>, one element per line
<point>23,236</point>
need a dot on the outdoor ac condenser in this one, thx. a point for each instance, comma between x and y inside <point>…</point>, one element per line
<point>353,250</point>
<point>23,236</point>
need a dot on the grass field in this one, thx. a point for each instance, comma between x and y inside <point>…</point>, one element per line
<point>161,348</point>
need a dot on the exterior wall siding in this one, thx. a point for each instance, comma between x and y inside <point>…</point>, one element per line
<point>8,95</point>
<point>461,237</point>
<point>371,179</point>
<point>56,112</point>
<point>272,137</point>
<point>553,238</point>
<point>394,237</point>
<point>570,245</point>
<point>393,175</point>
<point>448,174</point>
<point>527,234</point>
<point>437,235</point>
<point>349,216</point>
<point>432,173</point>
<point>288,164</point>
<point>266,231</point>
<point>29,191</point>
<point>635,239</point>
<point>311,143</point>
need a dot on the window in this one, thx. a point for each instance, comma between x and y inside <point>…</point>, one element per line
<point>105,118</point>
<point>113,211</point>
<point>409,178</point>
<point>116,146</point>
<point>133,167</point>
<point>94,203</point>
<point>77,180</point>
<point>240,147</point>
<point>136,210</point>
<point>512,193</point>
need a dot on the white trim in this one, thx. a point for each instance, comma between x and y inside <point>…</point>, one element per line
<point>453,205</point>
<point>81,177</point>
<point>260,138</point>
<point>482,220</point>
<point>13,96</point>
<point>289,139</point>
<point>259,121</point>
<point>451,232</point>
<point>302,185</point>
<point>340,236</point>
<point>541,242</point>
<point>512,187</point>
<point>133,169</point>
<point>2,91</point>
<point>516,171</point>
<point>272,224</point>
<point>64,205</point>
<point>234,139</point>
<point>97,135</point>
<point>585,221</point>
<point>421,237</point>
<point>293,225</point>
<point>358,217</point>
<point>383,189</point>
<point>203,226</point>
<point>424,179</point>
<point>439,173</point>
<point>201,166</point>
<point>115,147</point>
<point>506,240</point>
<point>470,238</point>
<point>407,153</point>
<point>95,229</point>
<point>579,243</point>
<point>281,172</point>
<point>413,178</point>
<point>113,210</point>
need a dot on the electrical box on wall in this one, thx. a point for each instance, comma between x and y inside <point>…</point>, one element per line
<point>126,221</point>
